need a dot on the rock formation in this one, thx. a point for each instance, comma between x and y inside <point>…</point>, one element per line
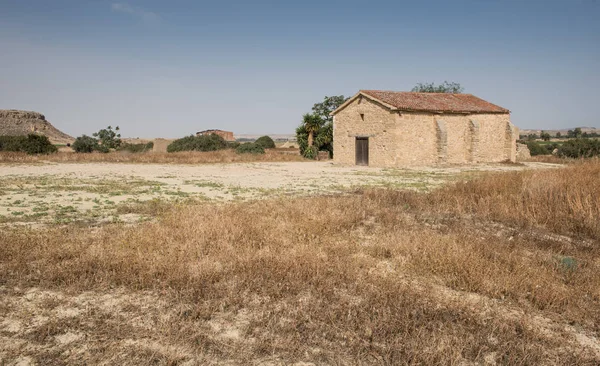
<point>19,123</point>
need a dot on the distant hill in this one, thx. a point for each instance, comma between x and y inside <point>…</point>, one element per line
<point>563,132</point>
<point>18,123</point>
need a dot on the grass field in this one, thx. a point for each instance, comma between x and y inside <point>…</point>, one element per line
<point>189,157</point>
<point>493,268</point>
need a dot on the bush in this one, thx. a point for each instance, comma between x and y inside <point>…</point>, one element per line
<point>250,148</point>
<point>12,143</point>
<point>85,144</point>
<point>302,138</point>
<point>266,142</point>
<point>38,144</point>
<point>579,148</point>
<point>233,144</point>
<point>109,138</point>
<point>137,148</point>
<point>211,142</point>
<point>311,152</point>
<point>31,144</point>
<point>323,140</point>
<point>535,148</point>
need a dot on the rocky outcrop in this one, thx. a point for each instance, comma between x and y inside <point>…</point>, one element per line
<point>17,123</point>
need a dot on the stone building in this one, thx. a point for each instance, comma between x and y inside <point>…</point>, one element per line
<point>227,135</point>
<point>397,129</point>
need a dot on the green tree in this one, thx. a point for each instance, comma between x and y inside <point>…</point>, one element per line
<point>85,144</point>
<point>250,148</point>
<point>545,136</point>
<point>312,123</point>
<point>576,133</point>
<point>315,133</point>
<point>328,105</point>
<point>266,142</point>
<point>445,87</point>
<point>579,148</point>
<point>324,138</point>
<point>558,135</point>
<point>212,142</point>
<point>31,144</point>
<point>38,144</point>
<point>109,138</point>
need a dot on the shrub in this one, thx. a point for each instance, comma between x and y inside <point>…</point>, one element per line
<point>579,148</point>
<point>233,144</point>
<point>31,144</point>
<point>12,143</point>
<point>109,138</point>
<point>311,152</point>
<point>250,148</point>
<point>136,148</point>
<point>266,142</point>
<point>38,144</point>
<point>323,140</point>
<point>535,148</point>
<point>85,144</point>
<point>211,142</point>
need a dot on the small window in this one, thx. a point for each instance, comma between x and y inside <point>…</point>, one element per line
<point>362,116</point>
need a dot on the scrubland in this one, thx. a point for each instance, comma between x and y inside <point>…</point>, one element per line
<point>500,269</point>
<point>188,157</point>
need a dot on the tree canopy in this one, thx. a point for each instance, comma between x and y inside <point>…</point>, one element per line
<point>315,132</point>
<point>328,105</point>
<point>445,87</point>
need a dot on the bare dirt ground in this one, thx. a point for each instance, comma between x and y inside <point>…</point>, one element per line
<point>96,193</point>
<point>374,276</point>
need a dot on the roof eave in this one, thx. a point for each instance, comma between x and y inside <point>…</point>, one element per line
<point>361,93</point>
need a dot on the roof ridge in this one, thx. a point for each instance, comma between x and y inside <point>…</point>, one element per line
<point>430,102</point>
<point>412,92</point>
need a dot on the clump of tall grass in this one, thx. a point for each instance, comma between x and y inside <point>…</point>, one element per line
<point>563,201</point>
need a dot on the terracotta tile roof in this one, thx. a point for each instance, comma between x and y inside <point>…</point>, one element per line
<point>435,102</point>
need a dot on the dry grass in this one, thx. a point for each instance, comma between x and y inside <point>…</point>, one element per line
<point>552,159</point>
<point>563,201</point>
<point>376,277</point>
<point>191,157</point>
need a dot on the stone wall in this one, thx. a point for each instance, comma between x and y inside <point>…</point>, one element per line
<point>398,139</point>
<point>523,152</point>
<point>377,123</point>
<point>418,139</point>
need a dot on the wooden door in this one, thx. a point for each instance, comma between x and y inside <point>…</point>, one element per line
<point>362,151</point>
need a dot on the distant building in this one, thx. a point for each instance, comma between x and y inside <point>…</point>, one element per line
<point>227,135</point>
<point>398,129</point>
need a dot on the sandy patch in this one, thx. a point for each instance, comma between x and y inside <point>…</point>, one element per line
<point>93,193</point>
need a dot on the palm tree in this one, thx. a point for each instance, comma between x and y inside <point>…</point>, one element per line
<point>312,123</point>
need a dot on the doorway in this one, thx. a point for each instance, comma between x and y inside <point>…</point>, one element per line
<point>362,151</point>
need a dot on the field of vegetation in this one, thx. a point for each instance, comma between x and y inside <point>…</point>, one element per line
<point>187,157</point>
<point>500,268</point>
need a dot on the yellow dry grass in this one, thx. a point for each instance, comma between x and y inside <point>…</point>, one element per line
<point>502,269</point>
<point>190,157</point>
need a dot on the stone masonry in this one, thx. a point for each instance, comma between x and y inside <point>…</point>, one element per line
<point>399,138</point>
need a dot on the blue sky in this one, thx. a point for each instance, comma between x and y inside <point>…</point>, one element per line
<point>170,68</point>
